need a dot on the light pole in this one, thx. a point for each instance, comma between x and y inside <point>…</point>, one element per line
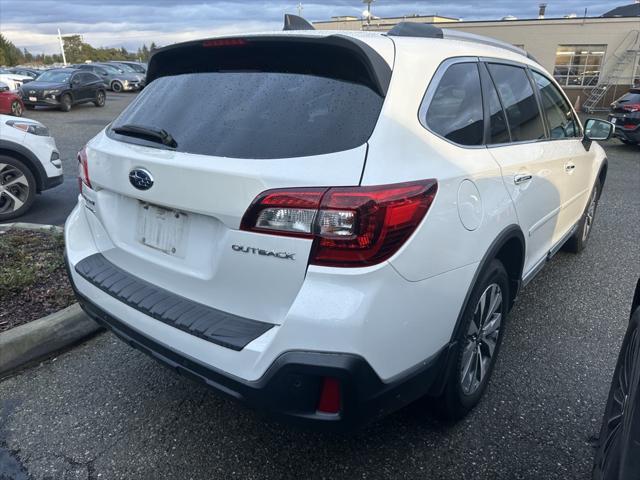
<point>64,58</point>
<point>368,13</point>
<point>300,9</point>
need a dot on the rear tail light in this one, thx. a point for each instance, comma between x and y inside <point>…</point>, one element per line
<point>83,169</point>
<point>224,42</point>
<point>633,107</point>
<point>350,226</point>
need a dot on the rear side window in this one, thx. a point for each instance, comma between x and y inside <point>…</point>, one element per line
<point>498,131</point>
<point>559,115</point>
<point>519,102</point>
<point>455,111</point>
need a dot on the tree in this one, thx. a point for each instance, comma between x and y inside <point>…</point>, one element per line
<point>9,54</point>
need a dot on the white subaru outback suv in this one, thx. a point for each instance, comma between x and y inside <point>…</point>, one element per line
<point>29,164</point>
<point>330,225</point>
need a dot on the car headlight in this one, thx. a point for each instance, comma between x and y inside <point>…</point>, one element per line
<point>52,92</point>
<point>29,127</point>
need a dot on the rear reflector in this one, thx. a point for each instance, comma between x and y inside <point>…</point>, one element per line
<point>350,226</point>
<point>329,396</point>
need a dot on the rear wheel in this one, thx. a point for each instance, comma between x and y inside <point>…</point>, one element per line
<point>116,86</point>
<point>101,98</point>
<point>16,108</point>
<point>17,188</point>
<point>65,102</point>
<point>618,454</point>
<point>578,241</point>
<point>478,342</point>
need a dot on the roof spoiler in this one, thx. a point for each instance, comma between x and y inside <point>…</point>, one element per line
<point>294,22</point>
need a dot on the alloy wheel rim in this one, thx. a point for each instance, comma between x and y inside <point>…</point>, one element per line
<point>589,216</point>
<point>14,188</point>
<point>100,98</point>
<point>481,339</point>
<point>621,412</point>
<point>16,109</point>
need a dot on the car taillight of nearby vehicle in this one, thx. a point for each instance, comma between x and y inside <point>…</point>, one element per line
<point>350,226</point>
<point>83,169</point>
<point>634,107</point>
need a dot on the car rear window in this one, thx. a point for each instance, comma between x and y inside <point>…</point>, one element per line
<point>256,114</point>
<point>261,97</point>
<point>630,97</point>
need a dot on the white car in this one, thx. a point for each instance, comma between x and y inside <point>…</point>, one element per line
<point>29,164</point>
<point>330,225</point>
<point>13,80</point>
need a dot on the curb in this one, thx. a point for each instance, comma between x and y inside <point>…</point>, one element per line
<point>30,226</point>
<point>42,338</point>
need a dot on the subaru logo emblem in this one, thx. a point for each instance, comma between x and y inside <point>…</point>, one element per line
<point>141,178</point>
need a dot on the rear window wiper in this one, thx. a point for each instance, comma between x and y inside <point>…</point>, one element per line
<point>147,133</point>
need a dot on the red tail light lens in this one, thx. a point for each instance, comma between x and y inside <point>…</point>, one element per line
<point>633,107</point>
<point>329,396</point>
<point>351,226</point>
<point>83,169</point>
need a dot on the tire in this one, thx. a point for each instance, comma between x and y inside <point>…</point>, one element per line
<point>17,188</point>
<point>16,108</point>
<point>477,343</point>
<point>116,86</point>
<point>65,103</point>
<point>618,453</point>
<point>578,241</point>
<point>101,98</point>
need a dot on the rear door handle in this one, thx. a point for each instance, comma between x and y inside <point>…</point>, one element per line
<point>522,178</point>
<point>569,167</point>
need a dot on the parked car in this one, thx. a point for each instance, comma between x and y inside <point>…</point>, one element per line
<point>129,69</point>
<point>12,80</point>
<point>10,102</point>
<point>625,115</point>
<point>137,67</point>
<point>114,78</point>
<point>618,453</point>
<point>26,72</point>
<point>63,88</point>
<point>29,164</point>
<point>329,227</point>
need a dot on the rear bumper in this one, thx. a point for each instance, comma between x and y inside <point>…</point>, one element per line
<point>290,388</point>
<point>629,134</point>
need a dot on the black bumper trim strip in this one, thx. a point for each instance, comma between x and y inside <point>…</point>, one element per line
<point>225,329</point>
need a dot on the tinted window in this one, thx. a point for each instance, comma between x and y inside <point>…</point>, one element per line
<point>455,111</point>
<point>256,114</point>
<point>92,77</point>
<point>519,102</point>
<point>498,132</point>
<point>630,97</point>
<point>559,114</point>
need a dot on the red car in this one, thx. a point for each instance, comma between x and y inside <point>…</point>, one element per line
<point>10,102</point>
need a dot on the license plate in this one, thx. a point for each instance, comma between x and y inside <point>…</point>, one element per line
<point>613,120</point>
<point>161,229</point>
<point>33,99</point>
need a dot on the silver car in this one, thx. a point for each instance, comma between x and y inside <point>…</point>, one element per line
<point>115,78</point>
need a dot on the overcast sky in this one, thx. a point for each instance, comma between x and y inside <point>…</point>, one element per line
<point>129,23</point>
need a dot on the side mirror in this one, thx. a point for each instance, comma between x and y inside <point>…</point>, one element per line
<point>598,130</point>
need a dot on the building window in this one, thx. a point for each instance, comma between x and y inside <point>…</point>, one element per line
<point>578,65</point>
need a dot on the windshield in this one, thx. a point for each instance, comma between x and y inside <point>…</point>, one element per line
<point>53,76</point>
<point>256,114</point>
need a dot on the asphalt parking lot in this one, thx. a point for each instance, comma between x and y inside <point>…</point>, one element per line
<point>104,410</point>
<point>71,130</point>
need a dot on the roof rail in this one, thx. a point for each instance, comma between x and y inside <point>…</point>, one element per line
<point>294,22</point>
<point>413,29</point>
<point>425,30</point>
